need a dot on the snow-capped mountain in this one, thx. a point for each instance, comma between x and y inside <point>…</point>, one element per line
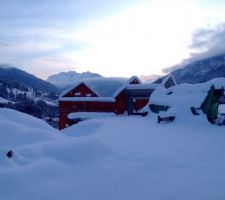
<point>202,70</point>
<point>22,91</point>
<point>65,79</point>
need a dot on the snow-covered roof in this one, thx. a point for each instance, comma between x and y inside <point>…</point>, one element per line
<point>88,99</point>
<point>117,92</point>
<point>112,87</point>
<point>150,85</point>
<point>164,80</point>
<point>74,86</point>
<point>132,79</point>
<point>103,87</point>
<point>90,115</point>
<point>106,87</point>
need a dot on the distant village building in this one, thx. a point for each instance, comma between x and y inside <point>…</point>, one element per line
<point>130,97</point>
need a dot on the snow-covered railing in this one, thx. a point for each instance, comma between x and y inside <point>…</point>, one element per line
<point>88,115</point>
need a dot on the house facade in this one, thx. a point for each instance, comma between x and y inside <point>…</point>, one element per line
<point>130,97</point>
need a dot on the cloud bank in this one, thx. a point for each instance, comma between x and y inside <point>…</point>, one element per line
<point>206,42</point>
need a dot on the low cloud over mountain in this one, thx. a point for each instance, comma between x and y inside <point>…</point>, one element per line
<point>206,43</point>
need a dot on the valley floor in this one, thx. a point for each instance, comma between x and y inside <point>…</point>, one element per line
<point>115,158</point>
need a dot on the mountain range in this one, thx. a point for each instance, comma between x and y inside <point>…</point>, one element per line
<point>201,71</point>
<point>66,79</point>
<point>13,74</point>
<point>194,72</point>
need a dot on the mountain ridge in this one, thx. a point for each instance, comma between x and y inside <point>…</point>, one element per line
<point>26,79</point>
<point>66,79</point>
<point>200,71</point>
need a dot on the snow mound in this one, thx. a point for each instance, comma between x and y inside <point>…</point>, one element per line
<point>182,97</point>
<point>20,129</point>
<point>113,158</point>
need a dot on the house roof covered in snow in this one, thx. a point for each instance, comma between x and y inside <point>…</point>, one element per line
<point>103,87</point>
<point>108,88</point>
<point>149,86</point>
<point>163,79</point>
<point>132,79</point>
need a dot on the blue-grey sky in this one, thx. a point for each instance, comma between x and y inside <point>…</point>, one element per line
<point>110,37</point>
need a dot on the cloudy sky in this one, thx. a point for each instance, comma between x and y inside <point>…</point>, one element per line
<point>110,37</point>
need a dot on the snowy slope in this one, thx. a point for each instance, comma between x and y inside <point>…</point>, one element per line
<point>112,158</point>
<point>13,75</point>
<point>26,93</point>
<point>202,70</point>
<point>65,79</point>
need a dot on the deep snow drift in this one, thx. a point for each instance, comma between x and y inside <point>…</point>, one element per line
<point>114,158</point>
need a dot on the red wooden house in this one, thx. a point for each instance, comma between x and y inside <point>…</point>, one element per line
<point>129,96</point>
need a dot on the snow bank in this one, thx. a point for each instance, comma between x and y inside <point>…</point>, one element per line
<point>113,158</point>
<point>151,161</point>
<point>19,129</point>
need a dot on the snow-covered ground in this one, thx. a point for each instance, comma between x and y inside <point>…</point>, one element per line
<point>113,158</point>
